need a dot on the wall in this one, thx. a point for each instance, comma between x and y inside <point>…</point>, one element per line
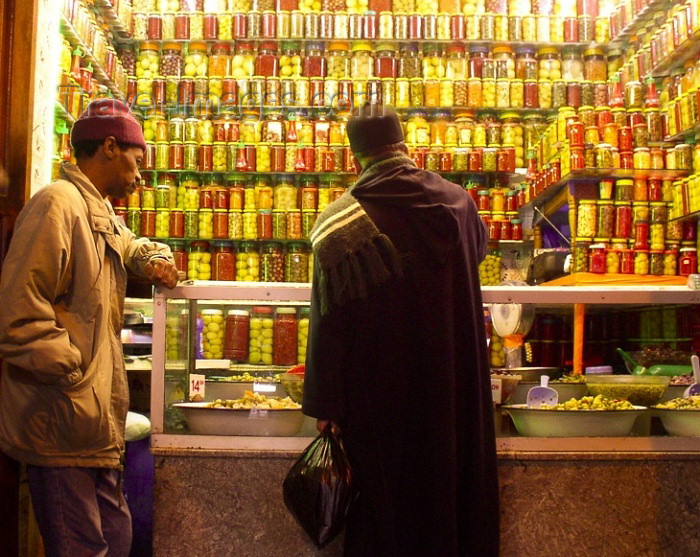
<point>566,505</point>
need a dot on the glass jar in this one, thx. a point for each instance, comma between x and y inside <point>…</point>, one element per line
<point>337,60</point>
<point>409,61</point>
<point>597,259</point>
<point>623,219</point>
<point>285,332</point>
<point>223,261</point>
<point>296,268</point>
<point>385,62</point>
<point>272,262</point>
<point>581,255</point>
<point>571,65</point>
<point>605,219</point>
<point>549,64</point>
<point>586,223</point>
<point>314,64</point>
<point>236,335</point>
<point>525,63</point>
<point>641,262</point>
<point>595,65</point>
<point>688,261</point>
<point>199,261</point>
<point>261,346</point>
<point>361,62</point>
<point>456,62</point>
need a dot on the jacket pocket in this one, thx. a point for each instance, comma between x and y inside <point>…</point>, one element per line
<point>82,413</point>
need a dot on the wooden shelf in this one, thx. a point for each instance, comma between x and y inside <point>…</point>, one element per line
<point>119,30</point>
<point>76,41</point>
<point>636,23</point>
<point>688,50</point>
<point>689,216</point>
<point>394,42</point>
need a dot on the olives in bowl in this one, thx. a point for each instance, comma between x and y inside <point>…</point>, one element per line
<point>293,384</point>
<point>640,390</point>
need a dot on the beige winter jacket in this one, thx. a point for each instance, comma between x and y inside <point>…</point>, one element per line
<point>63,389</point>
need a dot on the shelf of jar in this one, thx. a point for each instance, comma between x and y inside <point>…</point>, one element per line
<point>688,216</point>
<point>394,42</point>
<point>119,30</point>
<point>241,108</point>
<point>63,114</point>
<point>511,177</point>
<point>594,175</point>
<point>684,135</point>
<point>75,41</point>
<point>305,241</point>
<point>688,50</point>
<point>633,26</point>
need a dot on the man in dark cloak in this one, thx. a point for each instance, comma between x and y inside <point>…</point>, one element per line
<point>397,357</point>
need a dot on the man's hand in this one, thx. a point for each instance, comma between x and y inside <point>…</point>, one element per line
<point>321,425</point>
<point>161,272</point>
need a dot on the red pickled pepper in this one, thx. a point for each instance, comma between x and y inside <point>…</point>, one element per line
<point>651,100</point>
<point>241,162</point>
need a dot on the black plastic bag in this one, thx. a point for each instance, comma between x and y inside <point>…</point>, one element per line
<point>319,488</point>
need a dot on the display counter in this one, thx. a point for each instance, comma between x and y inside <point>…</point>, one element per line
<point>635,495</point>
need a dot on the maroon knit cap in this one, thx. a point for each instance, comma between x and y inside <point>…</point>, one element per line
<point>373,126</point>
<point>105,117</point>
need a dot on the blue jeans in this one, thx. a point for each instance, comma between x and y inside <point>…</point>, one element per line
<point>80,511</point>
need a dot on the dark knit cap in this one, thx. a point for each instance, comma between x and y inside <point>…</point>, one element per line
<point>372,127</point>
<point>105,117</point>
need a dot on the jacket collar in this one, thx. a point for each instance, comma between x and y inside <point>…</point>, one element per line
<point>99,209</point>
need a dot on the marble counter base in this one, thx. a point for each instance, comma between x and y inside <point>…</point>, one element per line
<point>215,505</point>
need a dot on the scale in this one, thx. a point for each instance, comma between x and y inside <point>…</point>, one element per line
<point>512,322</point>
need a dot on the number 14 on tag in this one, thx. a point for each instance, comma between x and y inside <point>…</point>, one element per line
<point>197,386</point>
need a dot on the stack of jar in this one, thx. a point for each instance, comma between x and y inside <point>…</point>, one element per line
<point>261,335</point>
<point>498,208</point>
<point>84,20</point>
<point>631,233</point>
<point>626,135</point>
<point>657,37</point>
<point>343,73</point>
<point>501,20</point>
<point>196,206</point>
<point>226,260</point>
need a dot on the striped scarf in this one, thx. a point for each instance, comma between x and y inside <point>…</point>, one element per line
<point>350,252</point>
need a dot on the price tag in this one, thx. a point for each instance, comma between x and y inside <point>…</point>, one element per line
<point>264,387</point>
<point>496,389</point>
<point>197,386</point>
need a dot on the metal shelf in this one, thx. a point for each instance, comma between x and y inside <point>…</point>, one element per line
<point>546,295</point>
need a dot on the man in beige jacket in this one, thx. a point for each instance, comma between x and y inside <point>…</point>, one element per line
<point>63,388</point>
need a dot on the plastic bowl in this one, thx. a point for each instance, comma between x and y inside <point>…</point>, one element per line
<point>202,420</point>
<point>642,390</point>
<point>683,423</point>
<point>531,373</point>
<point>293,385</point>
<point>534,422</point>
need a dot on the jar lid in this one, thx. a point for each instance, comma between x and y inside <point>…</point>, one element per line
<point>597,246</point>
<point>263,309</point>
<point>688,249</point>
<point>196,46</point>
<point>239,312</point>
<point>386,47</point>
<point>171,46</point>
<point>474,49</point>
<point>267,45</point>
<point>148,46</point>
<point>339,45</point>
<point>594,52</point>
<point>212,312</point>
<point>624,182</point>
<point>587,201</point>
<point>605,202</point>
<point>547,50</point>
<point>287,311</point>
<point>361,45</point>
<point>502,50</point>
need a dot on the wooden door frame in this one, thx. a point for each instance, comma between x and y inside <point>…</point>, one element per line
<point>17,68</point>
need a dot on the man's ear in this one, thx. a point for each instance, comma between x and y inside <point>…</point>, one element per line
<point>356,163</point>
<point>109,146</point>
